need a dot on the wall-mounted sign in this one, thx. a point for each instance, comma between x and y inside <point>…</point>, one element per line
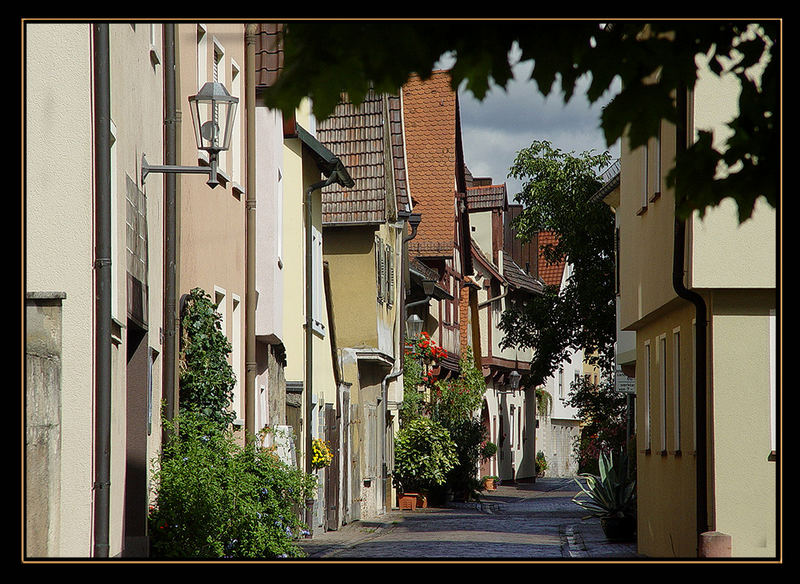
<point>623,383</point>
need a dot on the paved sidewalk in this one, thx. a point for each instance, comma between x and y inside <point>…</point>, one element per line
<point>579,539</point>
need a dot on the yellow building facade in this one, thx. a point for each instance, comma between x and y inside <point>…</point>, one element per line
<point>705,444</point>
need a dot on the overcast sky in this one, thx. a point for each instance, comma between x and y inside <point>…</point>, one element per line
<point>505,122</point>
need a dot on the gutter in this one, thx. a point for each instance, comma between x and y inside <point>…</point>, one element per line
<point>102,277</point>
<point>701,335</point>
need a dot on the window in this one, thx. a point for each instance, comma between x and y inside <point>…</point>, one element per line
<point>646,383</point>
<point>645,177</point>
<point>511,427</point>
<point>202,70</point>
<point>773,372</point>
<point>318,301</point>
<point>236,355</point>
<point>382,269</point>
<point>662,392</point>
<point>218,76</point>
<point>694,385</point>
<point>616,261</point>
<point>234,153</point>
<point>390,287</point>
<point>561,382</point>
<point>676,389</point>
<point>202,56</point>
<point>657,156</point>
<point>220,306</point>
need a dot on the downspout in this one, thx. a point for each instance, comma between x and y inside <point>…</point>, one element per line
<point>170,229</point>
<point>102,275</point>
<point>250,206</point>
<point>701,333</point>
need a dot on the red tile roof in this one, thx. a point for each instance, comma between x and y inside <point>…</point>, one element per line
<point>551,274</point>
<point>430,115</point>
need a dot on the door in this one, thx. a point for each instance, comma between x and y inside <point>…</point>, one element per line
<point>332,472</point>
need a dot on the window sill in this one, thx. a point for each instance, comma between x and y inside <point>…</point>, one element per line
<point>642,210</point>
<point>655,196</point>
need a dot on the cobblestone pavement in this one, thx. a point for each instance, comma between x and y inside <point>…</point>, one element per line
<point>522,522</point>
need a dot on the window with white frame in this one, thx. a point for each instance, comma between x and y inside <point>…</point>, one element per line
<point>657,156</point>
<point>694,385</point>
<point>220,305</point>
<point>202,55</point>
<point>235,152</point>
<point>236,355</point>
<point>662,392</point>
<point>317,290</point>
<point>645,175</point>
<point>389,275</point>
<point>773,372</point>
<point>646,384</point>
<point>380,270</point>
<point>201,52</point>
<point>676,389</point>
<point>218,74</point>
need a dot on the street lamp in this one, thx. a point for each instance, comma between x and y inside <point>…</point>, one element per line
<point>213,111</point>
<point>514,379</point>
<point>414,326</point>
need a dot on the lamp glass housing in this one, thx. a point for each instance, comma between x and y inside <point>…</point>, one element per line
<point>213,111</point>
<point>514,379</point>
<point>414,326</point>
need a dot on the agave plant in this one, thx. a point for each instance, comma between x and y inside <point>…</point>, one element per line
<point>612,493</point>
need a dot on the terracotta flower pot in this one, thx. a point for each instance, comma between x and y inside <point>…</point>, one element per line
<point>407,501</point>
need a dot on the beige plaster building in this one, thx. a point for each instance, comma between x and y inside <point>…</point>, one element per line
<point>93,283</point>
<point>706,444</point>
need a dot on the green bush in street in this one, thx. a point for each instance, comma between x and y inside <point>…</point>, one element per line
<point>216,499</point>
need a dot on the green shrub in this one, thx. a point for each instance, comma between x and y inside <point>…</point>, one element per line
<point>206,377</point>
<point>216,499</point>
<point>424,454</point>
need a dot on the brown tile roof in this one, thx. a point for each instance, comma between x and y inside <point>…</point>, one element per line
<point>517,277</point>
<point>430,115</point>
<point>480,198</point>
<point>269,53</point>
<point>551,274</point>
<point>356,136</point>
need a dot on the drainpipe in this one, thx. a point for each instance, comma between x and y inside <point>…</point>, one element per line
<point>102,276</point>
<point>251,31</point>
<point>170,230</point>
<point>701,333</point>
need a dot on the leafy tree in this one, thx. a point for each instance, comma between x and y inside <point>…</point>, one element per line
<point>382,54</point>
<point>555,197</point>
<point>602,411</point>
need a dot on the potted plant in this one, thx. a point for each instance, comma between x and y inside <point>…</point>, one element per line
<point>321,455</point>
<point>541,464</point>
<point>490,482</point>
<point>611,497</point>
<point>424,454</point>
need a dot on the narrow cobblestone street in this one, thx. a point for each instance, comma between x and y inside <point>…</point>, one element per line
<point>523,522</point>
